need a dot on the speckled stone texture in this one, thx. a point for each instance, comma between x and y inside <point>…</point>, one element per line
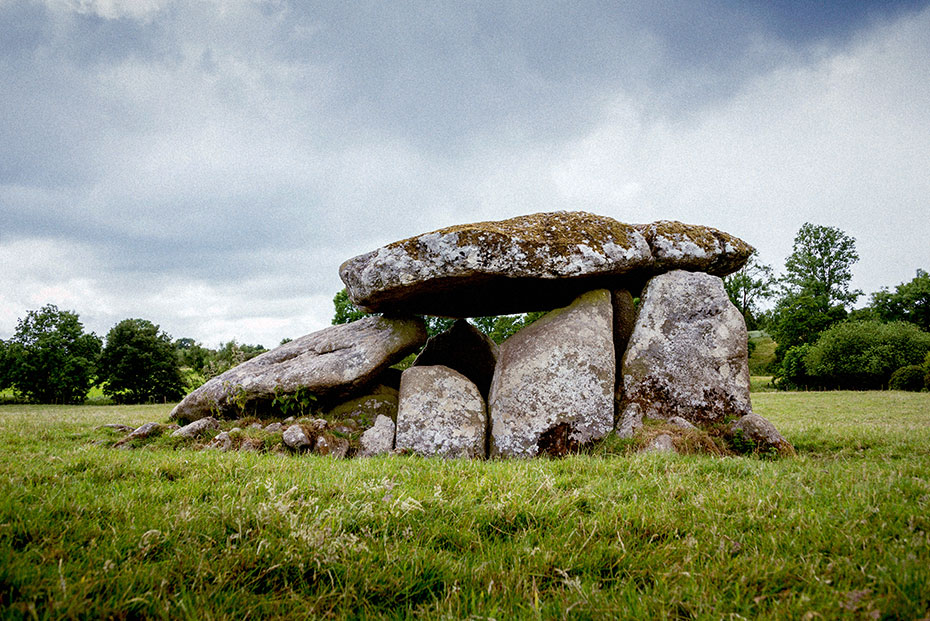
<point>378,439</point>
<point>554,383</point>
<point>763,433</point>
<point>534,262</point>
<point>440,413</point>
<point>687,356</point>
<point>330,363</point>
<point>466,349</point>
<point>676,245</point>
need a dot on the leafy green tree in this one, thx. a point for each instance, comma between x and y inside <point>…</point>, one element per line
<point>4,365</point>
<point>192,354</point>
<point>815,286</point>
<point>140,364</point>
<point>346,311</point>
<point>502,327</point>
<point>51,359</point>
<point>750,285</point>
<point>799,320</point>
<point>820,265</point>
<point>909,302</point>
<point>229,355</point>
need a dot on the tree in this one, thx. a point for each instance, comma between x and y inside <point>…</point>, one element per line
<point>140,364</point>
<point>910,302</point>
<point>799,320</point>
<point>51,359</point>
<point>230,355</point>
<point>820,265</point>
<point>346,311</point>
<point>815,287</point>
<point>749,286</point>
<point>4,365</point>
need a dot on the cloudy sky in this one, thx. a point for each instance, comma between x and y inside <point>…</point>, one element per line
<point>208,165</point>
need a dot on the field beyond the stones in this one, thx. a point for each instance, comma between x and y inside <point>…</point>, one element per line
<point>841,530</point>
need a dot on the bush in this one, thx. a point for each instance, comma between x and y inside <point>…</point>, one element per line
<point>861,355</point>
<point>910,378</point>
<point>792,375</point>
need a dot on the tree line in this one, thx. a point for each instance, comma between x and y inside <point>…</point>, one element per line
<point>822,342</point>
<point>51,359</point>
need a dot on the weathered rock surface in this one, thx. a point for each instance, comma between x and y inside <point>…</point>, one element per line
<point>381,401</point>
<point>533,262</point>
<point>466,349</point>
<point>763,433</point>
<point>196,427</point>
<point>331,446</point>
<point>378,439</point>
<point>296,438</point>
<point>222,441</point>
<point>146,430</point>
<point>681,423</point>
<point>554,382</point>
<point>441,412</point>
<point>687,356</point>
<point>676,245</point>
<point>662,443</point>
<point>330,363</point>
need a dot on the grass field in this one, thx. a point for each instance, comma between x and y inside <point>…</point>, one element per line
<point>840,531</point>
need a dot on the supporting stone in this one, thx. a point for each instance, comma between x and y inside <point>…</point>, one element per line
<point>554,382</point>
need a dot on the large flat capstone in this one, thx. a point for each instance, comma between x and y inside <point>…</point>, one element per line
<point>534,262</point>
<point>331,363</point>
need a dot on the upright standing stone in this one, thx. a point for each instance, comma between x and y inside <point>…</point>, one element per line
<point>466,349</point>
<point>553,388</point>
<point>687,356</point>
<point>440,413</point>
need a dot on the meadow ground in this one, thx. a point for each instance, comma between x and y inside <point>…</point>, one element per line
<point>840,531</point>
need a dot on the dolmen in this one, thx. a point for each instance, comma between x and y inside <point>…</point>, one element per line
<point>638,327</point>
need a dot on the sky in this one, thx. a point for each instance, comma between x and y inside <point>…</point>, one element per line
<point>208,165</point>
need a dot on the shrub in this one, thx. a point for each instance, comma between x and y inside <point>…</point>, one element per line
<point>862,355</point>
<point>793,375</point>
<point>910,378</point>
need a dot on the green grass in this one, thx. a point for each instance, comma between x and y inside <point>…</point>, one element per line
<point>841,531</point>
<point>763,355</point>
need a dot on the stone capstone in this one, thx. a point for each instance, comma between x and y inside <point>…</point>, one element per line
<point>762,433</point>
<point>379,439</point>
<point>534,262</point>
<point>195,428</point>
<point>466,349</point>
<point>441,412</point>
<point>679,246</point>
<point>687,356</point>
<point>553,386</point>
<point>331,363</point>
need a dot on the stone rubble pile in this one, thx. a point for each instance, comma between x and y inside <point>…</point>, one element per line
<point>595,363</point>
